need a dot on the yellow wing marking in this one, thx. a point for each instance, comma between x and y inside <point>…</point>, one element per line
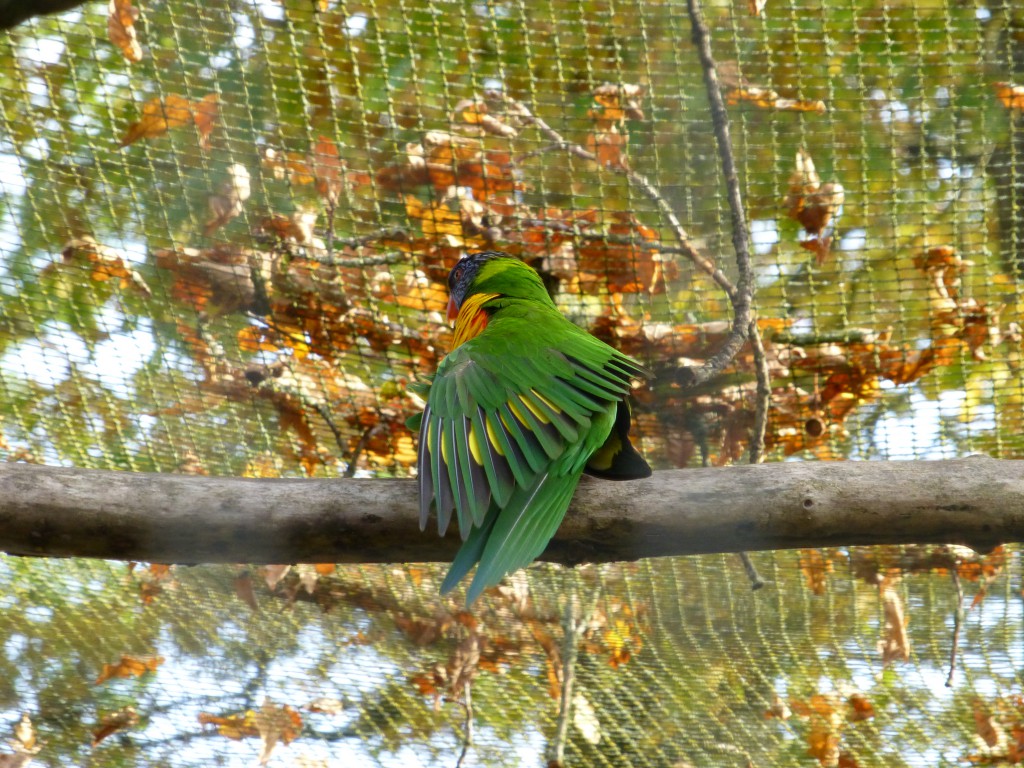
<point>541,416</point>
<point>492,437</point>
<point>546,402</point>
<point>474,446</point>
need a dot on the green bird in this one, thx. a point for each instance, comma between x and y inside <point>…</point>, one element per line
<point>521,407</point>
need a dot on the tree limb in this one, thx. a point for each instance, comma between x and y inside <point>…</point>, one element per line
<point>164,518</point>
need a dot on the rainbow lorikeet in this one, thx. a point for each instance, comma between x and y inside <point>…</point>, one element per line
<point>524,404</point>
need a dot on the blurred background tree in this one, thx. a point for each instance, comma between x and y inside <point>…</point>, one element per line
<point>223,239</point>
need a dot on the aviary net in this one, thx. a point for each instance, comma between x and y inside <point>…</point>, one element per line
<point>224,234</point>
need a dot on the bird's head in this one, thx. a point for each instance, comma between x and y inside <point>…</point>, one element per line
<point>494,273</point>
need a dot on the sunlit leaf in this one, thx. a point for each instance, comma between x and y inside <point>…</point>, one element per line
<point>121,29</point>
<point>129,666</point>
<point>113,722</point>
<point>1011,95</point>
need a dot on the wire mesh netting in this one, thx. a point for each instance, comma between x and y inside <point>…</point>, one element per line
<point>224,237</point>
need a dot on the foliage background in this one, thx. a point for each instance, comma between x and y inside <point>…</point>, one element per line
<point>223,237</point>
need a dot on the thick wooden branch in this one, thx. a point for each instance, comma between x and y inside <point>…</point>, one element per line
<point>59,512</point>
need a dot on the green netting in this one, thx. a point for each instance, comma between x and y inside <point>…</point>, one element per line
<point>223,251</point>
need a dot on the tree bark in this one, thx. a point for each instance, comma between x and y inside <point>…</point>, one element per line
<point>60,512</point>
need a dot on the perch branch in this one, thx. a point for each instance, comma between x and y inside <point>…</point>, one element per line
<point>164,518</point>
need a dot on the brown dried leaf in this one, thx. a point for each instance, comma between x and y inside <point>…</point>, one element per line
<point>159,116</point>
<point>328,168</point>
<point>860,706</point>
<point>111,723</point>
<point>1011,95</point>
<point>244,590</point>
<point>173,111</point>
<point>25,735</point>
<point>608,148</point>
<point>815,567</point>
<point>273,574</point>
<point>129,666</point>
<point>895,642</point>
<point>204,115</point>
<point>475,112</point>
<point>326,705</point>
<point>276,723</point>
<point>778,709</point>
<point>229,201</point>
<point>107,263</point>
<point>617,102</point>
<point>121,29</point>
<point>234,727</point>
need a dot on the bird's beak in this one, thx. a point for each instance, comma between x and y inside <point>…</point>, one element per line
<point>453,310</point>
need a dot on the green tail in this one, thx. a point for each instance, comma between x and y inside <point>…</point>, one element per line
<point>513,537</point>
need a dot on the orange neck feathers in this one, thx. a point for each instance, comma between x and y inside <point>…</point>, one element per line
<point>472,318</point>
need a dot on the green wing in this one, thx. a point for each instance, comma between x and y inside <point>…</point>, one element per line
<point>511,419</point>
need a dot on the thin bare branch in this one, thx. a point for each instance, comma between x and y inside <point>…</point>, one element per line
<point>571,628</point>
<point>958,620</point>
<point>764,395</point>
<point>467,734</point>
<point>742,298</point>
<point>686,246</point>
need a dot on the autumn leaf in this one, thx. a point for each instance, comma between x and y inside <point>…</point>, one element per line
<point>630,266</point>
<point>326,705</point>
<point>766,98</point>
<point>107,263</point>
<point>895,642</point>
<point>778,709</point>
<point>204,115</point>
<point>860,707</point>
<point>121,29</point>
<point>291,166</point>
<point>475,112</point>
<point>608,148</point>
<point>1011,95</point>
<point>129,666</point>
<point>229,200</point>
<point>276,723</point>
<point>113,722</point>
<point>815,567</point>
<point>25,735</point>
<point>273,574</point>
<point>174,111</point>
<point>244,590</point>
<point>328,168</point>
<point>159,116</point>
<point>614,103</point>
<point>235,727</point>
<point>457,218</point>
<point>813,204</point>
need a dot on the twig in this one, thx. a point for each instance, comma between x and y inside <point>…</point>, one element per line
<point>326,255</point>
<point>467,738</point>
<point>365,261</point>
<point>764,395</point>
<point>350,470</point>
<point>958,620</point>
<point>329,236</point>
<point>742,300</point>
<point>756,582</point>
<point>744,323</point>
<point>325,414</point>
<point>558,141</point>
<point>556,751</point>
<point>388,233</point>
